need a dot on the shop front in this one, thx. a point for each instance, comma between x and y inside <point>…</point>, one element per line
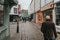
<point>48,12</point>
<point>39,17</point>
<point>56,15</point>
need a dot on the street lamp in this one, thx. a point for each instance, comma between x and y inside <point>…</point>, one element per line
<point>18,18</point>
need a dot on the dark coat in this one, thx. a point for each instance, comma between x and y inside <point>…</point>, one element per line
<point>48,29</point>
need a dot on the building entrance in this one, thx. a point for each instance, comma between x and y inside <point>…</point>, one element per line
<point>47,12</point>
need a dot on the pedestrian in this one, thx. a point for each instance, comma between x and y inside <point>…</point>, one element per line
<point>48,29</point>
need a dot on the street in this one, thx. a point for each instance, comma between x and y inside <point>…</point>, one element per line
<point>27,31</point>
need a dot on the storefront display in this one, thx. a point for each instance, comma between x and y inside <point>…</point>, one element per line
<point>57,15</point>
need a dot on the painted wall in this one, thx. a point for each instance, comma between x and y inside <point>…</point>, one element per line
<point>48,1</point>
<point>44,2</point>
<point>29,11</point>
<point>49,5</point>
<point>56,1</point>
<point>37,5</point>
<point>32,7</point>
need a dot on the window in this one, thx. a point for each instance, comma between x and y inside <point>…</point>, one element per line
<point>15,10</point>
<point>57,15</point>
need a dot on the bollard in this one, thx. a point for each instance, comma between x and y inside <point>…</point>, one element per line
<point>17,27</point>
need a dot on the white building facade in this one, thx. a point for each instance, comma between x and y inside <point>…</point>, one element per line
<point>47,7</point>
<point>35,8</point>
<point>14,10</point>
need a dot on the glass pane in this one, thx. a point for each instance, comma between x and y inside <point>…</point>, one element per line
<point>57,15</point>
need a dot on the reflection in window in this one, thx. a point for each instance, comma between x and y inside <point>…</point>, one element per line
<point>1,15</point>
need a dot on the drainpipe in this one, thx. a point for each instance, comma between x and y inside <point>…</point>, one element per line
<point>18,26</point>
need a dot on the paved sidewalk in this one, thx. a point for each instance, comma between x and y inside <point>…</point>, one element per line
<point>27,31</point>
<point>13,31</point>
<point>38,26</point>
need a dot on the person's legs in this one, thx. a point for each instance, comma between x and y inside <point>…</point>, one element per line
<point>45,38</point>
<point>50,39</point>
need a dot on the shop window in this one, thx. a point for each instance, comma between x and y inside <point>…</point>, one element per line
<point>58,4</point>
<point>57,15</point>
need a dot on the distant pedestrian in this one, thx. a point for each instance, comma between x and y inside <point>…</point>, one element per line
<point>48,29</point>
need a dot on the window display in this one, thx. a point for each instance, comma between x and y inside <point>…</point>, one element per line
<point>57,15</point>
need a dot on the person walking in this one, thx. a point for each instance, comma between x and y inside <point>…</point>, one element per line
<point>48,29</point>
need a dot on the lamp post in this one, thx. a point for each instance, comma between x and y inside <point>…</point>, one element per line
<point>34,12</point>
<point>17,25</point>
<point>18,18</point>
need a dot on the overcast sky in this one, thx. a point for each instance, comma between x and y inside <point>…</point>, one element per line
<point>24,3</point>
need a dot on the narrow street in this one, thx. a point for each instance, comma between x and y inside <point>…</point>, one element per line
<point>27,31</point>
